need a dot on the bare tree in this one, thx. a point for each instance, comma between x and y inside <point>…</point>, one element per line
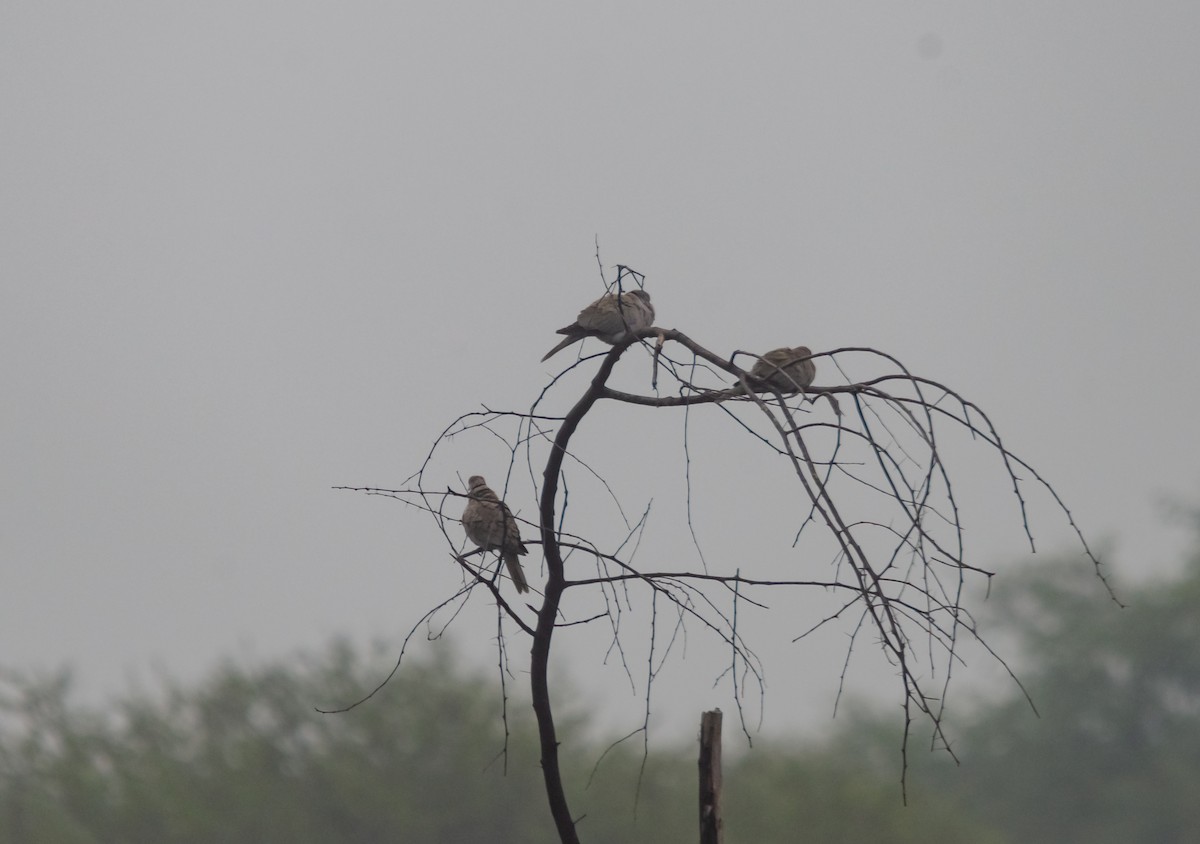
<point>872,479</point>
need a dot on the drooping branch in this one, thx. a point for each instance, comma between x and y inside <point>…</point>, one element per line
<point>880,587</point>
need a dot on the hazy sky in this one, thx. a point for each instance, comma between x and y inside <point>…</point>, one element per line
<point>253,251</point>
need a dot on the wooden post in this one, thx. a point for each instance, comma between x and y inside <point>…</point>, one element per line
<point>711,825</point>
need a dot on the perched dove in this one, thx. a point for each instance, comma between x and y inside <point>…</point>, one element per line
<point>786,370</point>
<point>610,319</point>
<point>490,525</point>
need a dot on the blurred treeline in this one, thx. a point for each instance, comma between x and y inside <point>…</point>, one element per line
<point>244,757</point>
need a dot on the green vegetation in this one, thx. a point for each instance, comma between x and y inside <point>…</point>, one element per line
<point>1115,755</point>
<point>244,757</point>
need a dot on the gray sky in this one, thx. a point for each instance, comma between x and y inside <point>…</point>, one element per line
<point>253,251</point>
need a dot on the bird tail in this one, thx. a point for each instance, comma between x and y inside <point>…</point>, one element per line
<point>516,572</point>
<point>731,392</point>
<point>566,342</point>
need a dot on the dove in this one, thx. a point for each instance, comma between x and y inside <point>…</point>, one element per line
<point>786,369</point>
<point>490,525</point>
<point>610,318</point>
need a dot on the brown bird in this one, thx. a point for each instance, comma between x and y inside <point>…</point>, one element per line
<point>490,525</point>
<point>786,370</point>
<point>610,318</point>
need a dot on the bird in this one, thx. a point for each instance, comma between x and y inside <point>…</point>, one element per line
<point>786,369</point>
<point>490,525</point>
<point>610,318</point>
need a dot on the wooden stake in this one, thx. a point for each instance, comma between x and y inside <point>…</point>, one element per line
<point>711,825</point>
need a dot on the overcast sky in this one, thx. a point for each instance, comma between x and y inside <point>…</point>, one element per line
<point>253,251</point>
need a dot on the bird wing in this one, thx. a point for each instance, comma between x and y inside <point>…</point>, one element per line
<point>603,317</point>
<point>609,316</point>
